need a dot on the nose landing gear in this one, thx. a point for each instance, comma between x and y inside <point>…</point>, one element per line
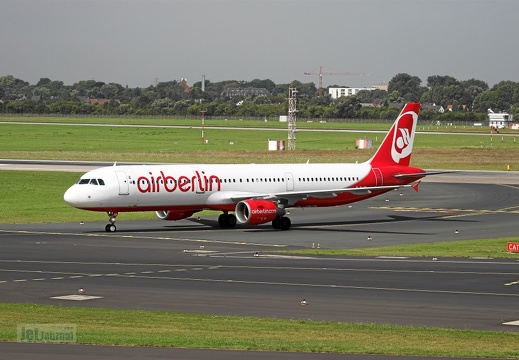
<point>111,217</point>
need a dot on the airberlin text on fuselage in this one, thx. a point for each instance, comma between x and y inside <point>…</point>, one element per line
<point>199,181</point>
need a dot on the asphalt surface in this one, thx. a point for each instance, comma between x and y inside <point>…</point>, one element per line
<point>192,266</point>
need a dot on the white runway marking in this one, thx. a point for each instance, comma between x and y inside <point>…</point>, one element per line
<point>76,297</point>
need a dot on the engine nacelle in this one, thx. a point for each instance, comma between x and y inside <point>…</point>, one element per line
<point>255,212</point>
<point>173,214</point>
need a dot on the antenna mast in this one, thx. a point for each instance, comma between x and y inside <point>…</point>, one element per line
<point>292,110</point>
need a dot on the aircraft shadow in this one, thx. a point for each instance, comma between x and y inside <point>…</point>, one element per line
<point>330,226</point>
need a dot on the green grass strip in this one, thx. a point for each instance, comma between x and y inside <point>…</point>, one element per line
<point>165,329</point>
<point>487,248</point>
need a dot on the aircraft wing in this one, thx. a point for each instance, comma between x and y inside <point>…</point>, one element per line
<point>291,197</point>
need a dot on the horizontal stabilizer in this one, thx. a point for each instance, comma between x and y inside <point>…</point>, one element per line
<point>422,174</point>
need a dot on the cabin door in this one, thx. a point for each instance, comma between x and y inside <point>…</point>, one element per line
<point>289,179</point>
<point>124,187</point>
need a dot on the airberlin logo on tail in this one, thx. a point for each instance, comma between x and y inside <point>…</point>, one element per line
<point>199,181</point>
<point>403,136</point>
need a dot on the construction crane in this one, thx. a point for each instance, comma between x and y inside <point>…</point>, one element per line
<point>320,73</point>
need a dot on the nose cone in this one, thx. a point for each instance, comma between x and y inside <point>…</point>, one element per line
<point>72,196</point>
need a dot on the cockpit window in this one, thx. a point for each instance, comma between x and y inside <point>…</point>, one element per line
<point>91,182</point>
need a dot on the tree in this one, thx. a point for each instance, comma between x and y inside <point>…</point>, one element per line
<point>446,90</point>
<point>502,97</point>
<point>111,91</point>
<point>267,84</point>
<point>472,88</point>
<point>43,82</point>
<point>408,86</point>
<point>436,85</point>
<point>346,107</point>
<point>180,107</point>
<point>13,88</point>
<point>438,80</point>
<point>369,96</point>
<point>162,106</point>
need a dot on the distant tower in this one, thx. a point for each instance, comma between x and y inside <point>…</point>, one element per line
<point>292,111</point>
<point>203,83</point>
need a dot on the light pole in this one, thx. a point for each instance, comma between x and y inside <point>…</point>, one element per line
<point>203,121</point>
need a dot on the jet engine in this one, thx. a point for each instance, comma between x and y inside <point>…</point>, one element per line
<point>254,212</point>
<point>173,214</point>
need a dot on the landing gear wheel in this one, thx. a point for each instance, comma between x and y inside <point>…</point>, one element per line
<point>111,217</point>
<point>110,228</point>
<point>285,223</point>
<point>222,220</point>
<point>281,223</point>
<point>227,220</point>
<point>231,220</point>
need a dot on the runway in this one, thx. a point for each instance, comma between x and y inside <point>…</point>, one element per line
<point>192,266</point>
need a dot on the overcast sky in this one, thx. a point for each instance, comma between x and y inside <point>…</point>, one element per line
<point>136,42</point>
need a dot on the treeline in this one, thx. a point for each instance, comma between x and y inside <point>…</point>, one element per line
<point>462,100</point>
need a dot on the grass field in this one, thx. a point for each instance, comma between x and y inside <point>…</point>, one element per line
<point>352,124</point>
<point>163,329</point>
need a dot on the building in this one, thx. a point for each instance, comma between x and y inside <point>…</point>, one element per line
<point>336,92</point>
<point>499,120</point>
<point>250,91</point>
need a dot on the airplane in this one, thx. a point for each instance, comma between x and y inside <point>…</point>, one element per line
<point>256,193</point>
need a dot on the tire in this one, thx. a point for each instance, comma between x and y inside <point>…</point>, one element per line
<point>285,223</point>
<point>231,220</point>
<point>223,220</point>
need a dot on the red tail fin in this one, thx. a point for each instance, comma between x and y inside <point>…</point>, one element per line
<point>397,146</point>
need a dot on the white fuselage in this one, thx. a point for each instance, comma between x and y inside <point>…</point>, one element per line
<point>169,187</point>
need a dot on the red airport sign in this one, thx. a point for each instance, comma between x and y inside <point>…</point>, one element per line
<point>512,247</point>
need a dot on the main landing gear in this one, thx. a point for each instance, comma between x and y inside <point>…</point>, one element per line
<point>227,220</point>
<point>281,223</point>
<point>111,217</point>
